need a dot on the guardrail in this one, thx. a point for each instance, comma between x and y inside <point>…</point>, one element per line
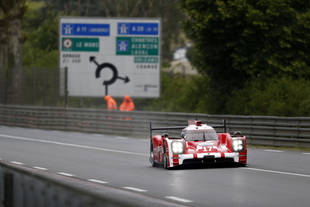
<point>260,130</point>
<point>23,187</point>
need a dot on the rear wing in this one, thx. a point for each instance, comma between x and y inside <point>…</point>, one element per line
<point>163,128</point>
<point>223,126</point>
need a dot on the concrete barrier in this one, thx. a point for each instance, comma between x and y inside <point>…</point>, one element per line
<point>26,187</point>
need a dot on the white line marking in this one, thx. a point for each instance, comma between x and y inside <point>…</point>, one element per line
<point>306,153</point>
<point>277,172</point>
<point>16,163</point>
<point>179,199</point>
<point>97,181</point>
<point>134,189</point>
<point>40,168</point>
<point>98,135</point>
<point>270,150</point>
<point>65,174</point>
<point>121,138</point>
<point>71,145</point>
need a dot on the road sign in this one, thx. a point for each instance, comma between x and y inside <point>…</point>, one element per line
<point>70,29</point>
<point>130,28</point>
<point>80,44</point>
<point>138,46</point>
<point>111,56</point>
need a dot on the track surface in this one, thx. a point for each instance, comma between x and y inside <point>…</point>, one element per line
<point>273,178</point>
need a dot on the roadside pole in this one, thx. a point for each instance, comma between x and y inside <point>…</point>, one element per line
<point>66,87</point>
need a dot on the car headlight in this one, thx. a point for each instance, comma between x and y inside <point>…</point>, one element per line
<point>237,145</point>
<point>177,147</point>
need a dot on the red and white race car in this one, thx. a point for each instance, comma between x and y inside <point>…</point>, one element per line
<point>199,143</point>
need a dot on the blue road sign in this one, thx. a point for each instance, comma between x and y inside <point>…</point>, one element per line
<point>85,29</point>
<point>128,28</point>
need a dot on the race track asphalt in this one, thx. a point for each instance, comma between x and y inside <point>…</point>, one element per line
<point>272,178</point>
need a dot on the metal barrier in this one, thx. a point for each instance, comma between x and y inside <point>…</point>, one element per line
<point>260,130</point>
<point>24,187</point>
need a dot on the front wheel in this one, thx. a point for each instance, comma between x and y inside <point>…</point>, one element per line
<point>152,157</point>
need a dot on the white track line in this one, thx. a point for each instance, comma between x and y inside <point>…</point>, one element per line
<point>65,174</point>
<point>121,138</point>
<point>98,135</point>
<point>71,145</point>
<point>183,200</point>
<point>40,168</point>
<point>277,172</point>
<point>306,153</point>
<point>16,163</point>
<point>97,181</point>
<point>134,189</point>
<point>271,150</point>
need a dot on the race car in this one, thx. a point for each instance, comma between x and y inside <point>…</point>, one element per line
<point>198,144</point>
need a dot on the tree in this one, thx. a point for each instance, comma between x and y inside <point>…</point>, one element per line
<point>11,15</point>
<point>40,29</point>
<point>3,54</point>
<point>240,40</point>
<point>276,96</point>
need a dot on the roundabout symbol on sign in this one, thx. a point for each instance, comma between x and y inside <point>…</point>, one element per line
<point>114,70</point>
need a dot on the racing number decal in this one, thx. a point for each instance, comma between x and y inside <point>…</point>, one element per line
<point>206,148</point>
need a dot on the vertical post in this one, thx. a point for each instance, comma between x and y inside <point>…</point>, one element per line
<point>34,89</point>
<point>106,90</point>
<point>225,126</point>
<point>66,87</point>
<point>150,130</point>
<point>45,93</point>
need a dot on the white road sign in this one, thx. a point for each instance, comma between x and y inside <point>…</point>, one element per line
<point>111,56</point>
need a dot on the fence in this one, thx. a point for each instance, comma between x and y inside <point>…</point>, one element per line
<point>260,130</point>
<point>47,87</point>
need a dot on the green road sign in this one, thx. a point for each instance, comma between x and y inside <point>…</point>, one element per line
<point>71,44</point>
<point>137,46</point>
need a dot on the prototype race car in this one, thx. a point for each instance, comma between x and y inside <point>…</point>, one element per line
<point>199,143</point>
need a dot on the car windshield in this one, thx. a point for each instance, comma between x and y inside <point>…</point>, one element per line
<point>204,135</point>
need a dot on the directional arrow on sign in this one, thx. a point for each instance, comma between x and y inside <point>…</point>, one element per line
<point>93,59</point>
<point>114,70</point>
<point>126,79</point>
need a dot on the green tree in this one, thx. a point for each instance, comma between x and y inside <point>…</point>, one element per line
<point>41,33</point>
<point>179,94</point>
<point>11,16</point>
<point>3,55</point>
<point>283,96</point>
<point>240,40</point>
<point>40,55</point>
